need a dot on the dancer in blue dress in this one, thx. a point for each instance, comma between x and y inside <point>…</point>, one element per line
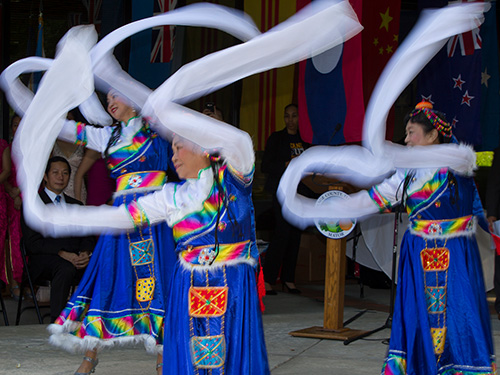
<point>441,322</point>
<point>121,297</point>
<point>213,321</point>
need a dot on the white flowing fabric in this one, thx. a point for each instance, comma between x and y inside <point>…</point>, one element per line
<point>365,166</point>
<point>108,72</point>
<point>318,27</point>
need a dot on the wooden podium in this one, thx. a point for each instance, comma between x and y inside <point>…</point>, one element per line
<point>333,319</point>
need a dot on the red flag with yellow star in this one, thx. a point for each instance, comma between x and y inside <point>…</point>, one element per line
<point>379,42</point>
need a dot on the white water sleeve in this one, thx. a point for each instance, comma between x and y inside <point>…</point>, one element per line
<point>175,201</point>
<point>32,147</point>
<point>379,158</point>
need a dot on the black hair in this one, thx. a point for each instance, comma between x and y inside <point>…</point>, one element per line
<point>15,115</point>
<point>421,119</point>
<point>115,136</point>
<point>216,163</point>
<point>57,159</point>
<point>291,105</point>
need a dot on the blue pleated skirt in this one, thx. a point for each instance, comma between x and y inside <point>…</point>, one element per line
<point>468,344</point>
<point>104,310</point>
<point>242,328</point>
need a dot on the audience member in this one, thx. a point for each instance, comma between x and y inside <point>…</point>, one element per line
<point>73,153</point>
<point>100,186</point>
<point>5,165</point>
<point>281,147</point>
<point>11,261</point>
<point>61,260</point>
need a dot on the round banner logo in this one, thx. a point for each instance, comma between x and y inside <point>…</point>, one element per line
<point>335,229</point>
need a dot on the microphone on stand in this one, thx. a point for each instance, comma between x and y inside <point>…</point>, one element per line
<point>335,131</point>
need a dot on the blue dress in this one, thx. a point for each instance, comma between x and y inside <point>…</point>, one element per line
<point>121,297</point>
<point>441,322</point>
<point>213,319</point>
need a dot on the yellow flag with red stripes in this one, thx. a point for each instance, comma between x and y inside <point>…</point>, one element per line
<point>265,95</point>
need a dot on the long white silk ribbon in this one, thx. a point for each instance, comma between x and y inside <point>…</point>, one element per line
<point>369,165</point>
<point>318,27</point>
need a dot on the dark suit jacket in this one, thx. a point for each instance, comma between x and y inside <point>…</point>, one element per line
<point>36,244</point>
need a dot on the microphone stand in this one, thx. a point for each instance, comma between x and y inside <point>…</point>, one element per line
<point>388,322</point>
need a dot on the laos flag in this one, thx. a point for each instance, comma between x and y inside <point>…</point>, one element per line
<point>334,86</point>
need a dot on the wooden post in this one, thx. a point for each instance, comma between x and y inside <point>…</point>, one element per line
<point>333,318</point>
<point>334,284</point>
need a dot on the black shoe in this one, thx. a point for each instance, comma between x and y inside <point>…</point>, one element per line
<point>290,290</point>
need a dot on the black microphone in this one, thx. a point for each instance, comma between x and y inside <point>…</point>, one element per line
<point>337,128</point>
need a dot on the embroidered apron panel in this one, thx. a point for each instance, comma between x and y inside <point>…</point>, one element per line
<point>144,289</point>
<point>435,297</point>
<point>438,338</point>
<point>436,259</point>
<point>207,301</point>
<point>142,252</point>
<point>208,351</point>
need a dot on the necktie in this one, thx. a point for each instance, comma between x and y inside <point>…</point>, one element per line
<point>58,199</point>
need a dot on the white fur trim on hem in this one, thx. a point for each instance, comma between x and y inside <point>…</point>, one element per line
<point>77,345</point>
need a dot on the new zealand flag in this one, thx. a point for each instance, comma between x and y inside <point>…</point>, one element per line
<point>452,83</point>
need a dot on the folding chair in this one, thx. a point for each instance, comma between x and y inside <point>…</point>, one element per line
<point>4,311</point>
<point>27,280</point>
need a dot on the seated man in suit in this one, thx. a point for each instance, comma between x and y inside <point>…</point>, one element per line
<point>60,260</point>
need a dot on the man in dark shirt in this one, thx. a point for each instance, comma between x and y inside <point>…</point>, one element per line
<point>281,147</point>
<point>60,260</point>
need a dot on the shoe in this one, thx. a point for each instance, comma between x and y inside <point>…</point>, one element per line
<point>14,295</point>
<point>271,292</point>
<point>159,366</point>
<point>94,362</point>
<point>290,290</point>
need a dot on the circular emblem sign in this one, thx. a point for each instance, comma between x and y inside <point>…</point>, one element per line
<point>336,228</point>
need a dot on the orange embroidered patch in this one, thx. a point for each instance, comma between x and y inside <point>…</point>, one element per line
<point>207,301</point>
<point>437,259</point>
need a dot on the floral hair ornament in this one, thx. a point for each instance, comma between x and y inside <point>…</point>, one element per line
<point>438,123</point>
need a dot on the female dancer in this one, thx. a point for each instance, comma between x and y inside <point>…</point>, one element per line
<point>103,311</point>
<point>441,319</point>
<point>441,322</point>
<point>214,321</point>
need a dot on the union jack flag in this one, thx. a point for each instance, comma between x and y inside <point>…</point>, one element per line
<point>468,42</point>
<point>163,37</point>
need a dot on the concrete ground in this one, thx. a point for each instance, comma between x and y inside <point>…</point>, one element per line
<point>24,349</point>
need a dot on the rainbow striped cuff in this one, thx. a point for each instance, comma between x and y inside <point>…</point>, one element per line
<point>137,213</point>
<point>135,180</point>
<point>81,134</point>
<point>383,204</point>
<point>443,228</point>
<point>245,179</point>
<point>395,364</point>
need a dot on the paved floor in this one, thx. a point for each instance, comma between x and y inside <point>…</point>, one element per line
<point>24,349</point>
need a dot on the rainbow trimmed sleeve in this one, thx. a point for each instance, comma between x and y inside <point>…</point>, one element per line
<point>81,134</point>
<point>383,204</point>
<point>137,214</point>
